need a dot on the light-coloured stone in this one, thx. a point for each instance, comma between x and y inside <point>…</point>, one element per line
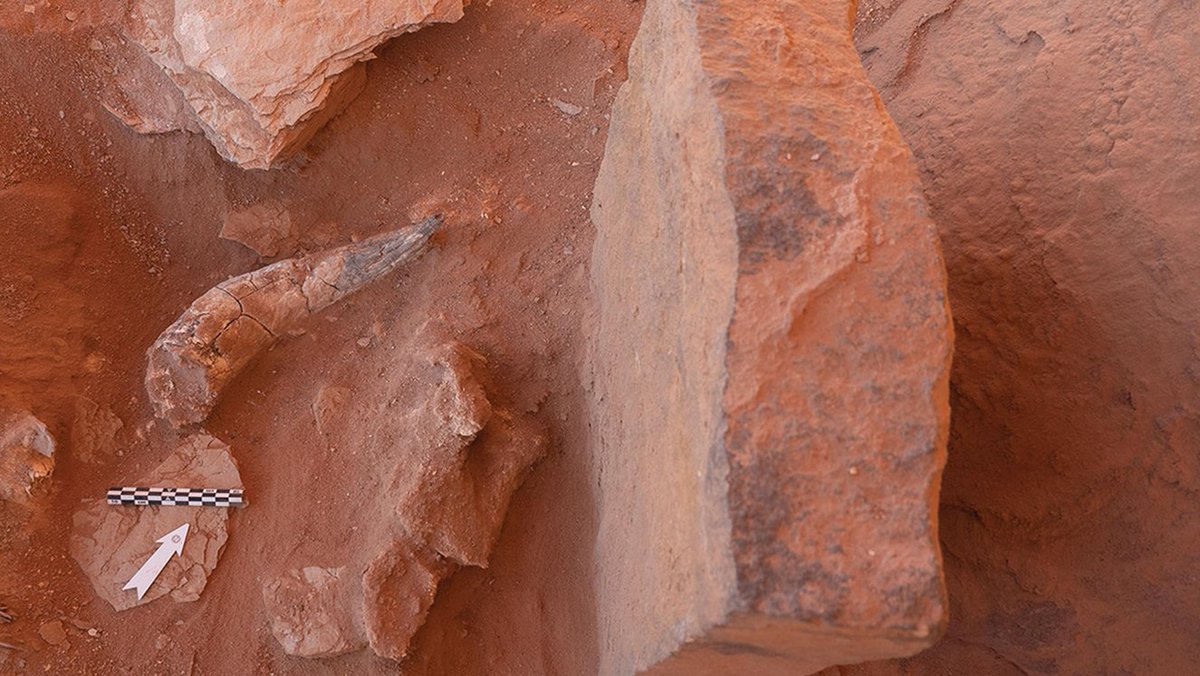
<point>110,542</point>
<point>260,78</point>
<point>311,612</point>
<point>26,454</point>
<point>454,458</point>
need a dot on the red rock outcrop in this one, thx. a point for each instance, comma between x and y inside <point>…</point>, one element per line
<point>1059,147</point>
<point>261,78</point>
<point>773,346</point>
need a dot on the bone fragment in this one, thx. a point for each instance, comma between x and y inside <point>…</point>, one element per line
<point>221,332</point>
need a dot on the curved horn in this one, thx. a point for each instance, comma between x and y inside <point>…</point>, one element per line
<point>222,331</point>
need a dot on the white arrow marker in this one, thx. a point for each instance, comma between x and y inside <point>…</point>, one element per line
<point>172,544</point>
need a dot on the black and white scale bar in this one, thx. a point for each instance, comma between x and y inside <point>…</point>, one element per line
<point>178,497</point>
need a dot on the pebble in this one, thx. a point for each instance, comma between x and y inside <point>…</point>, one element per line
<point>568,108</point>
<point>53,632</point>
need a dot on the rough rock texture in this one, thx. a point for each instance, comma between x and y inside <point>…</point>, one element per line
<point>439,494</point>
<point>1061,155</point>
<point>398,590</point>
<point>762,233</point>
<point>141,95</point>
<point>94,430</point>
<point>26,454</point>
<point>265,228</point>
<point>111,542</point>
<point>222,331</point>
<point>261,78</point>
<point>311,612</point>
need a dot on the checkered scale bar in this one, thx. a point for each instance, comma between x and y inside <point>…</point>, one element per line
<point>179,497</point>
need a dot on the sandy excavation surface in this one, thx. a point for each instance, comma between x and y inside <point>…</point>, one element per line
<point>498,122</point>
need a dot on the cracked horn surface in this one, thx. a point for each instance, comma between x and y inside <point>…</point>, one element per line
<point>222,331</point>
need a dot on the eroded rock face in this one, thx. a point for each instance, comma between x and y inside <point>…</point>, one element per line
<point>26,454</point>
<point>111,542</point>
<point>1058,147</point>
<point>398,589</point>
<point>452,458</point>
<point>261,78</point>
<point>762,246</point>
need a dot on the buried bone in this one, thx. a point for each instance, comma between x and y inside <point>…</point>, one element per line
<point>222,331</point>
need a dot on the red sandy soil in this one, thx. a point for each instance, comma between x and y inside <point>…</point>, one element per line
<point>122,235</point>
<point>1060,153</point>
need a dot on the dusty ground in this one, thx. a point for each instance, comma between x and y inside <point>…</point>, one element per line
<point>1060,155</point>
<point>455,117</point>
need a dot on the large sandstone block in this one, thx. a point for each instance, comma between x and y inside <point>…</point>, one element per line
<point>261,78</point>
<point>772,353</point>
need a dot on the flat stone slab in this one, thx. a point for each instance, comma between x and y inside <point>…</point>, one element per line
<point>111,542</point>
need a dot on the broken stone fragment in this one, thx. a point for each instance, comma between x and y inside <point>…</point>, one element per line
<point>261,78</point>
<point>764,248</point>
<point>26,454</point>
<point>312,612</point>
<point>111,542</point>
<point>398,590</point>
<point>222,331</point>
<point>54,633</point>
<point>265,228</point>
<point>454,460</point>
<point>328,404</point>
<point>460,400</point>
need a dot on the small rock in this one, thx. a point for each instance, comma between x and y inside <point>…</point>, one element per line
<point>265,228</point>
<point>327,404</point>
<point>567,108</point>
<point>311,614</point>
<point>398,589</point>
<point>26,454</point>
<point>460,400</point>
<point>53,633</point>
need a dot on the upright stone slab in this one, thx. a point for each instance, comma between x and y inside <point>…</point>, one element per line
<point>772,352</point>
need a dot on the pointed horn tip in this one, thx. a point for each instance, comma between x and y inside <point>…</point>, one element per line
<point>430,224</point>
